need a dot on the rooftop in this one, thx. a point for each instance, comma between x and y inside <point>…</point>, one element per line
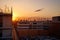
<point>5,14</point>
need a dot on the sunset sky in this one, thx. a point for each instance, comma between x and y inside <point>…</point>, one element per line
<point>26,8</point>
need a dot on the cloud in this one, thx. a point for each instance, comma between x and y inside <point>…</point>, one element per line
<point>38,10</point>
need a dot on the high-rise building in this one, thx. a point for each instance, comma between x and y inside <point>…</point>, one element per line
<point>6,25</point>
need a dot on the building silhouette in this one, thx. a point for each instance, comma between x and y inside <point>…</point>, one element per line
<point>29,29</point>
<point>55,28</point>
<point>56,18</point>
<point>5,25</point>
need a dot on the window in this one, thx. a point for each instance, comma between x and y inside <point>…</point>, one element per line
<point>34,23</point>
<point>1,25</point>
<point>0,33</point>
<point>1,21</point>
<point>45,27</point>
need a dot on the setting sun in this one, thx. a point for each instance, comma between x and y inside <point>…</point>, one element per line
<point>14,18</point>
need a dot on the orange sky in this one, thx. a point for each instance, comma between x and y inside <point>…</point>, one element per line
<point>26,8</point>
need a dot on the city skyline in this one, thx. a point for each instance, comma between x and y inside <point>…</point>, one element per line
<point>26,8</point>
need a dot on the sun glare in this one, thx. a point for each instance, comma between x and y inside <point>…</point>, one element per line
<point>14,16</point>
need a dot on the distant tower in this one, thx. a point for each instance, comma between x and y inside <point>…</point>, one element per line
<point>6,25</point>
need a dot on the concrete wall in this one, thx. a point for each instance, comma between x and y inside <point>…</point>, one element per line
<point>7,23</point>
